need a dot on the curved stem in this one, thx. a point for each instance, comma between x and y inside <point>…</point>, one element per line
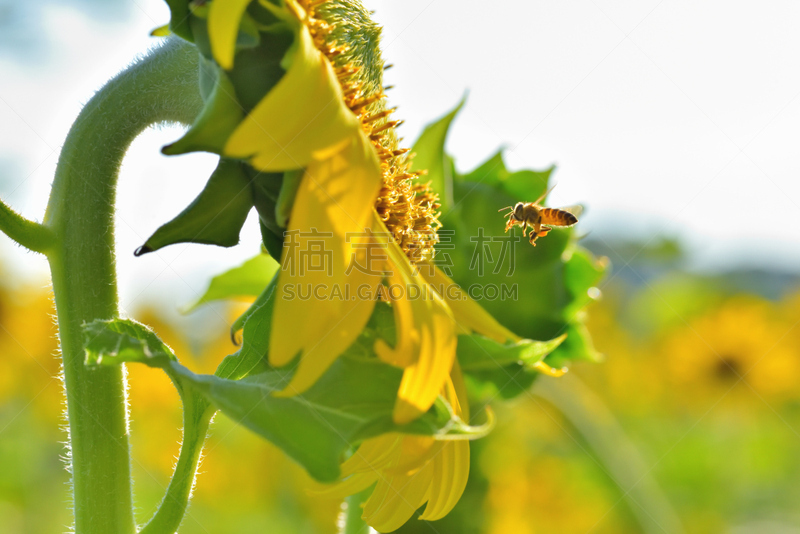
<point>590,416</point>
<point>29,234</point>
<point>161,87</point>
<point>197,415</point>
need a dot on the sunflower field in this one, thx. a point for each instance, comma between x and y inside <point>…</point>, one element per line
<point>413,345</point>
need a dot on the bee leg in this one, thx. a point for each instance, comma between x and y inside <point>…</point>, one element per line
<point>533,237</point>
<point>544,231</point>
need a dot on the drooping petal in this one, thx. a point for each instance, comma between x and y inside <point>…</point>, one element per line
<point>396,498</point>
<point>450,474</point>
<point>349,486</point>
<point>467,312</point>
<point>451,465</point>
<point>303,118</point>
<point>423,379</point>
<point>416,451</point>
<point>409,470</point>
<point>426,338</point>
<point>408,338</point>
<point>224,17</point>
<point>373,454</point>
<point>334,199</point>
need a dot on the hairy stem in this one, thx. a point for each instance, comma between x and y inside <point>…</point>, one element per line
<point>162,87</point>
<point>196,417</point>
<point>27,233</point>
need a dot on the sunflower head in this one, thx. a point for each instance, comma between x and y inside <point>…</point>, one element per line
<point>349,38</point>
<point>248,47</point>
<point>297,110</point>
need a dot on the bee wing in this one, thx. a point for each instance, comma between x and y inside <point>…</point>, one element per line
<point>544,195</point>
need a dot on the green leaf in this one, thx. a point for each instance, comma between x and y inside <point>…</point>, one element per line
<point>247,280</point>
<point>271,241</point>
<point>218,119</point>
<point>215,217</point>
<point>258,69</point>
<point>179,19</point>
<point>113,341</point>
<point>506,382</point>
<point>288,192</point>
<point>430,156</point>
<point>578,345</point>
<point>582,271</point>
<point>527,186</point>
<point>257,325</point>
<point>476,352</point>
<point>267,189</point>
<point>353,400</point>
<point>124,340</point>
<point>490,172</point>
<point>493,368</point>
<point>546,286</point>
<point>268,193</point>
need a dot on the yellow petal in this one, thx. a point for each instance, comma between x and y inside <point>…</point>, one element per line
<point>302,118</point>
<point>396,498</point>
<point>334,199</point>
<point>373,454</point>
<point>426,335</point>
<point>422,380</point>
<point>349,486</point>
<point>471,316</point>
<point>451,465</point>
<point>450,473</point>
<point>466,311</point>
<point>161,31</point>
<point>416,451</point>
<point>407,344</point>
<point>223,28</point>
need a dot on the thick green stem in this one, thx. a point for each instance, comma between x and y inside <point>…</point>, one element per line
<point>162,87</point>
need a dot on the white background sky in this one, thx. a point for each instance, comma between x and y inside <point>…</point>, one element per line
<point>666,118</point>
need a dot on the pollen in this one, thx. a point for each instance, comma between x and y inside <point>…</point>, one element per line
<point>408,207</point>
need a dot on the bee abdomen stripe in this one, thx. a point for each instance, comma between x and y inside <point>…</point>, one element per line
<point>558,217</point>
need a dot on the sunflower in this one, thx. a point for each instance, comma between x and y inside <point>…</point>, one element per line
<point>741,341</point>
<point>350,196</point>
<point>327,119</point>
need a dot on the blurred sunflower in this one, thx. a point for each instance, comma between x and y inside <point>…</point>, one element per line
<point>742,340</point>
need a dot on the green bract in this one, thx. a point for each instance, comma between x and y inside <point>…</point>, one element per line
<point>548,285</point>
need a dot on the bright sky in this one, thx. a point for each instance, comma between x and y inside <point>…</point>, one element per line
<point>666,118</point>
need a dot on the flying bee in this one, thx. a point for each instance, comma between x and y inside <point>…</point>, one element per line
<point>539,219</point>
